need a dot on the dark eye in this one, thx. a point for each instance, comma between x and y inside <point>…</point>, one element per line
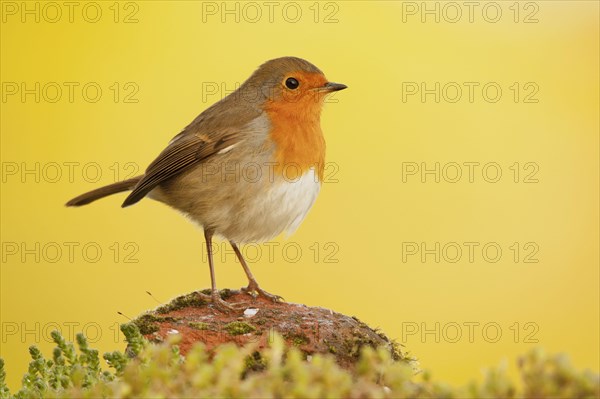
<point>292,83</point>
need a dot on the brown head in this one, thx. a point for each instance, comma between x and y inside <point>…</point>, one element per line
<point>289,85</point>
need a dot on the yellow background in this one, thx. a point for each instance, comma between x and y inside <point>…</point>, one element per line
<point>170,53</point>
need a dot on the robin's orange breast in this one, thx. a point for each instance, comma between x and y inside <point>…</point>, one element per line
<point>296,127</point>
<point>296,133</point>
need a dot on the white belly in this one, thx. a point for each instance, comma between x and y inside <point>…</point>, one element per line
<point>239,210</point>
<point>280,208</point>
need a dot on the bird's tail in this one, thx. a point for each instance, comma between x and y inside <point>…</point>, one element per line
<point>105,191</point>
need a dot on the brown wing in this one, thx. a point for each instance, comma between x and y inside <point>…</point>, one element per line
<point>184,151</point>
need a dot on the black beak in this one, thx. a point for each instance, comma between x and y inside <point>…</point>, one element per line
<point>330,86</point>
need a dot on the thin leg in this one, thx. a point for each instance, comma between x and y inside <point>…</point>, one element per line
<point>252,287</point>
<point>215,297</point>
<point>213,281</point>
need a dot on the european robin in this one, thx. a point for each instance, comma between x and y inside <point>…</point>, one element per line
<point>247,168</point>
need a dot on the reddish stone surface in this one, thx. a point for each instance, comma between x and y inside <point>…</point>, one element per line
<point>310,329</point>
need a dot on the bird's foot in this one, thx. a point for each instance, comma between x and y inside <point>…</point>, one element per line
<point>218,303</point>
<point>255,291</point>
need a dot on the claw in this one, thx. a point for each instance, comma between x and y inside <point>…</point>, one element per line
<point>219,304</point>
<point>223,306</point>
<point>255,291</point>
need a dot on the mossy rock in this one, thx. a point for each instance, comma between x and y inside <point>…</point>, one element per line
<point>310,329</point>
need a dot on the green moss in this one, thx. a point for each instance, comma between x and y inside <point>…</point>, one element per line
<point>255,362</point>
<point>146,323</point>
<point>226,293</point>
<point>239,328</point>
<point>184,301</point>
<point>198,325</point>
<point>275,371</point>
<point>192,300</point>
<point>297,339</point>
